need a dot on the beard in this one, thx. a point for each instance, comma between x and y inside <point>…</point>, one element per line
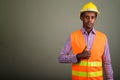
<point>89,26</point>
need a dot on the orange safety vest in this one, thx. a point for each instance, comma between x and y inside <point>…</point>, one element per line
<point>88,69</point>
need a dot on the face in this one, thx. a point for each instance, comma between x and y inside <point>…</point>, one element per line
<point>88,19</point>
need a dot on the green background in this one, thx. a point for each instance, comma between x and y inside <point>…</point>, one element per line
<point>32,33</point>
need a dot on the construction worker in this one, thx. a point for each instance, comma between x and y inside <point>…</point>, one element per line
<point>90,50</point>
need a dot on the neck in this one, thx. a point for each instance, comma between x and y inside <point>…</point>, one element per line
<point>88,30</point>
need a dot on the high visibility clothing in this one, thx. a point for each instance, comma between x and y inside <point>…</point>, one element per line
<point>89,7</point>
<point>88,69</point>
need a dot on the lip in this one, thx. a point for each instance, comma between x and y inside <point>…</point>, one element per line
<point>89,25</point>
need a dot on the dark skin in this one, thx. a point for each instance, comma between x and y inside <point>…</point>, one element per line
<point>88,19</point>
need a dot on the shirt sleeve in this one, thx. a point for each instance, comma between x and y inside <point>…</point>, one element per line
<point>107,66</point>
<point>65,56</point>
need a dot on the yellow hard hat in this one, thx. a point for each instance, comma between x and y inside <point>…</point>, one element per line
<point>89,7</point>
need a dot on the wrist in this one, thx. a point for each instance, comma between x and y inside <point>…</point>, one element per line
<point>78,58</point>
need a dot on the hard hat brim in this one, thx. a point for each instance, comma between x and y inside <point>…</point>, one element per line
<point>88,11</point>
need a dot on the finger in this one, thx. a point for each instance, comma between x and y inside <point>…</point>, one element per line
<point>89,52</point>
<point>86,49</point>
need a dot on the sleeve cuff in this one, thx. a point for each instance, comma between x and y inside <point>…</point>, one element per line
<point>74,60</point>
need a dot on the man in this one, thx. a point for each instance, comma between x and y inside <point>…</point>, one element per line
<point>90,50</point>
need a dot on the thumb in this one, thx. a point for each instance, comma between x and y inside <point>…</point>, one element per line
<point>86,49</point>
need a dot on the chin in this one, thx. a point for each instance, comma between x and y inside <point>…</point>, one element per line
<point>89,27</point>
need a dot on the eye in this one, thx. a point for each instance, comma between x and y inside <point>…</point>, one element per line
<point>86,17</point>
<point>93,17</point>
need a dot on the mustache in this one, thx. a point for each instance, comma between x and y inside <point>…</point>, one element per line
<point>90,23</point>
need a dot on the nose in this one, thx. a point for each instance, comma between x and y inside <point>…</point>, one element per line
<point>90,20</point>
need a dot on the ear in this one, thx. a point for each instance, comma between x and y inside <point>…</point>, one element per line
<point>81,18</point>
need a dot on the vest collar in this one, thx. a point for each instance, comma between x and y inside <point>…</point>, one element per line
<point>84,31</point>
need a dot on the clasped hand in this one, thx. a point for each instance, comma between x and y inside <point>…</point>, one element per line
<point>84,55</point>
